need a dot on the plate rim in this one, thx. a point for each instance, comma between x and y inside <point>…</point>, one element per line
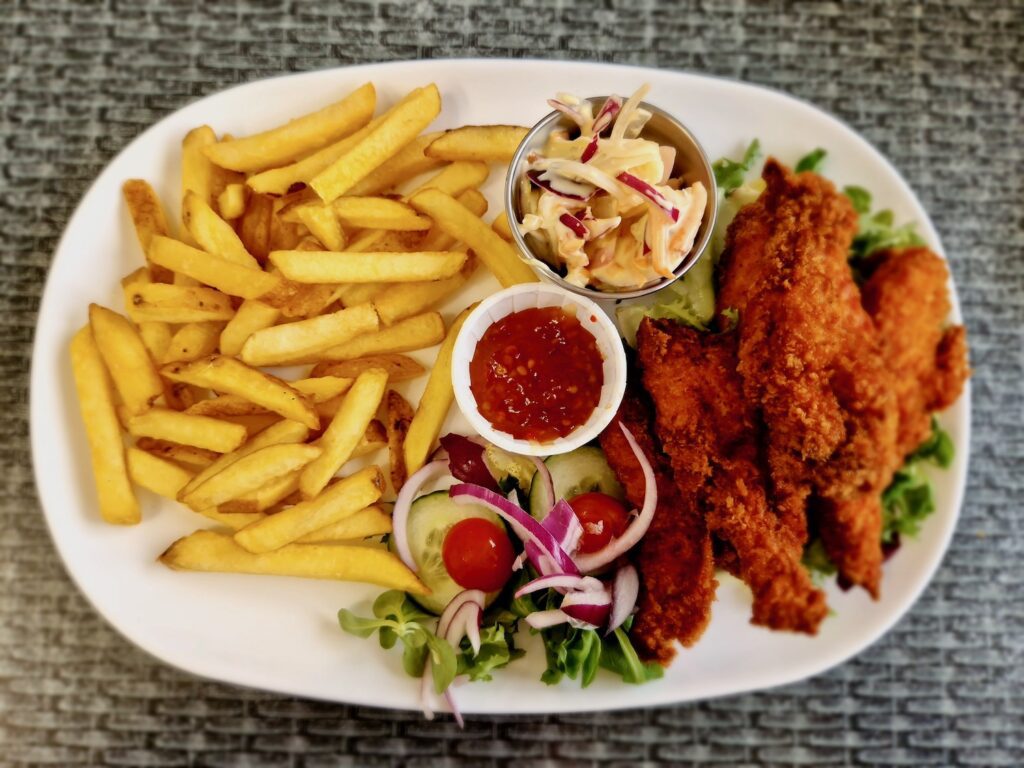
<point>575,704</point>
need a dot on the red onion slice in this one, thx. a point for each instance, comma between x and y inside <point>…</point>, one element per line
<point>465,623</point>
<point>575,225</point>
<point>525,527</point>
<point>561,581</point>
<point>608,112</point>
<point>637,528</point>
<point>589,607</point>
<point>545,619</point>
<point>625,590</point>
<point>544,476</point>
<point>568,110</point>
<point>400,516</point>
<point>466,596</point>
<point>590,150</point>
<point>652,194</point>
<point>537,179</point>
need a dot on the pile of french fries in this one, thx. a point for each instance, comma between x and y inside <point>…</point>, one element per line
<point>315,243</point>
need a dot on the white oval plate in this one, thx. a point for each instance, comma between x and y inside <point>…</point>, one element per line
<point>281,634</point>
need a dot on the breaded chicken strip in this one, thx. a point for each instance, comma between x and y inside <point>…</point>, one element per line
<point>907,296</point>
<point>675,560</point>
<point>709,432</point>
<point>811,366</point>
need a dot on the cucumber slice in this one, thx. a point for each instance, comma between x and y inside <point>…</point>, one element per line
<point>581,471</point>
<point>430,519</point>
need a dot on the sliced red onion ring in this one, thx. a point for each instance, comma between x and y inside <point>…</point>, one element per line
<point>575,225</point>
<point>400,517</point>
<point>590,150</point>
<point>625,590</point>
<point>637,528</point>
<point>537,179</point>
<point>450,698</point>
<point>561,581</point>
<point>588,607</point>
<point>563,524</point>
<point>568,110</point>
<point>608,112</point>
<point>466,596</point>
<point>525,527</point>
<point>545,619</point>
<point>652,194</point>
<point>465,623</point>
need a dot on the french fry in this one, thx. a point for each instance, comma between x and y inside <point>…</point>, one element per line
<point>282,433</point>
<point>264,497</point>
<point>196,169</point>
<point>198,431</point>
<point>216,552</point>
<point>398,415</point>
<point>413,333</point>
<point>148,217</point>
<point>254,422</point>
<point>371,521</point>
<point>349,267</point>
<point>180,397</point>
<point>126,358</point>
<point>117,502</point>
<point>342,435</point>
<point>398,367</point>
<point>253,315</point>
<point>156,336</point>
<point>341,499</point>
<point>213,234</point>
<point>255,224</point>
<point>299,137</point>
<point>378,213</point>
<point>408,163</point>
<point>461,224</point>
<point>235,522</point>
<point>360,293</point>
<point>401,300</point>
<point>231,202</point>
<point>323,224</point>
<point>162,477</point>
<point>284,235</point>
<point>226,276</point>
<point>193,341</point>
<point>163,303</point>
<point>455,179</point>
<point>501,226</point>
<point>398,128</point>
<point>439,240</point>
<point>250,473</point>
<point>489,143</point>
<point>233,377</point>
<point>319,390</point>
<point>372,440</point>
<point>288,178</point>
<point>303,339</point>
<point>434,404</point>
<point>182,454</point>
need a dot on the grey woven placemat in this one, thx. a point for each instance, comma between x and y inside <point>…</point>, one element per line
<point>936,85</point>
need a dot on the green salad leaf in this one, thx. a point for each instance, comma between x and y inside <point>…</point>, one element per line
<point>497,648</point>
<point>397,618</point>
<point>729,174</point>
<point>876,231</point>
<point>812,161</point>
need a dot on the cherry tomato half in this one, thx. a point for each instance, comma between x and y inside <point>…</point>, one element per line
<point>478,554</point>
<point>603,517</point>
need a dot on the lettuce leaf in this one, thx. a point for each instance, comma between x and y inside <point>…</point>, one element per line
<point>729,174</point>
<point>812,161</point>
<point>876,231</point>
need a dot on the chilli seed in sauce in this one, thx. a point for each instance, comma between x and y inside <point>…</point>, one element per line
<point>537,374</point>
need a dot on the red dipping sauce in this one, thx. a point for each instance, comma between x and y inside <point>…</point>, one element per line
<point>537,374</point>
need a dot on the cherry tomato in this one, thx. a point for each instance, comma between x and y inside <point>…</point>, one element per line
<point>603,517</point>
<point>478,554</point>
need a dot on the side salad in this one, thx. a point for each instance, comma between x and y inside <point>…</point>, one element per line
<point>513,541</point>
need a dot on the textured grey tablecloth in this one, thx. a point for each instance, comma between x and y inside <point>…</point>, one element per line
<point>936,85</point>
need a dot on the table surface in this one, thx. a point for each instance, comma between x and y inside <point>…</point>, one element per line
<point>935,85</point>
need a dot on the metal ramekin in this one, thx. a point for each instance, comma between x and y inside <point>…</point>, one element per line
<point>691,163</point>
